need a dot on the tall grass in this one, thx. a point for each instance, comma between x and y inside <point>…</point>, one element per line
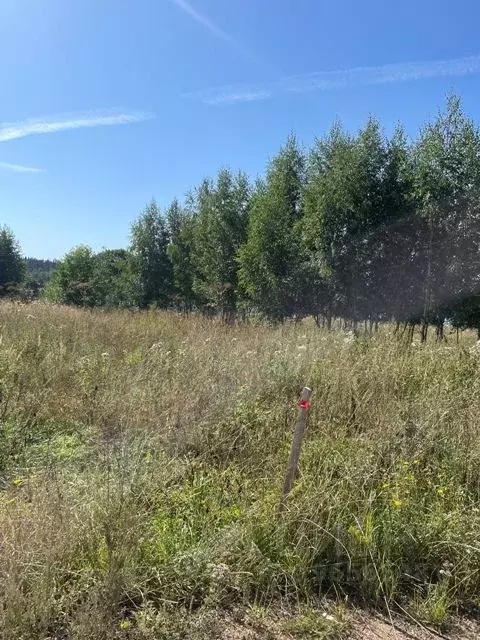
<point>142,459</point>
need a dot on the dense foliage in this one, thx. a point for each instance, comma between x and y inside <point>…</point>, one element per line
<point>363,227</point>
<point>12,268</point>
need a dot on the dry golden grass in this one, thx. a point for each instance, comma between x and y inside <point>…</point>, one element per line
<point>142,457</point>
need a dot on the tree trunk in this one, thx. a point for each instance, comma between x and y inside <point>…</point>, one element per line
<point>440,332</point>
<point>411,331</point>
<point>423,332</point>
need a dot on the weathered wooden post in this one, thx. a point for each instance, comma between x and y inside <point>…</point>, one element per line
<point>292,469</point>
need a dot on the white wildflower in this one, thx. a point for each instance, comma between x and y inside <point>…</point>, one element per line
<point>328,617</point>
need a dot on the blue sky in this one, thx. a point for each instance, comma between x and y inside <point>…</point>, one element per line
<point>108,103</point>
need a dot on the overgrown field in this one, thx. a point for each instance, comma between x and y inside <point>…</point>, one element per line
<point>142,458</point>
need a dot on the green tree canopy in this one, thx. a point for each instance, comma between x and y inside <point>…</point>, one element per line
<point>365,227</point>
<point>73,281</point>
<point>114,280</point>
<point>12,267</point>
<point>153,269</point>
<point>181,227</point>
<point>271,259</point>
<point>222,219</point>
<point>447,182</point>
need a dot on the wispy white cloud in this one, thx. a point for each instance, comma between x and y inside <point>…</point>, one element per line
<point>331,80</point>
<point>66,122</point>
<point>230,95</point>
<point>210,26</point>
<point>18,168</point>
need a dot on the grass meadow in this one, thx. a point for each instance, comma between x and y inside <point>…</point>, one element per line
<point>142,457</point>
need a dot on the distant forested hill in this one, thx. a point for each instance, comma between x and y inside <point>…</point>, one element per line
<point>40,271</point>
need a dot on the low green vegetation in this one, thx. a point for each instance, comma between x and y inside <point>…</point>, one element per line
<point>142,457</point>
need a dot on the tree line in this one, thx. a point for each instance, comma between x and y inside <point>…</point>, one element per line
<point>364,227</point>
<point>21,277</point>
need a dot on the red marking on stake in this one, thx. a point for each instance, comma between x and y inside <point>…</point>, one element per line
<point>304,404</point>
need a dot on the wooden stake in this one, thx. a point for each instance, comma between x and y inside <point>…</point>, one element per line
<point>292,469</point>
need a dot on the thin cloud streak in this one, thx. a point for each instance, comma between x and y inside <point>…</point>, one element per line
<point>53,124</point>
<point>332,80</point>
<point>18,168</point>
<point>226,96</point>
<point>210,26</point>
